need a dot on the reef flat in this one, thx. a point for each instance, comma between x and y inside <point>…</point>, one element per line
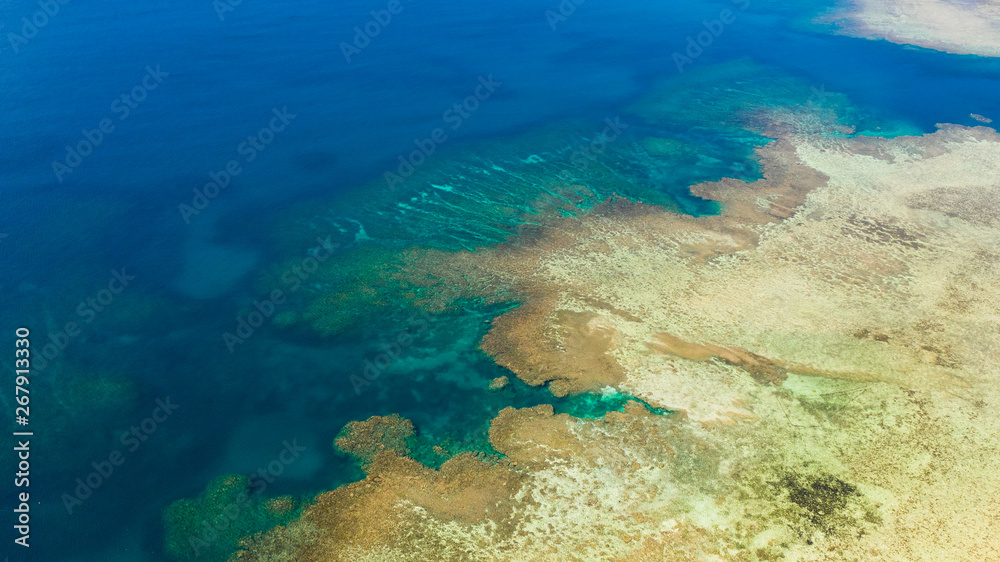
<point>944,25</point>
<point>829,343</point>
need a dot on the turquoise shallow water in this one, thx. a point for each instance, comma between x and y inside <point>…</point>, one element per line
<point>323,174</point>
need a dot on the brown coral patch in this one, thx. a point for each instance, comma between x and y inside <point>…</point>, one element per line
<point>365,439</point>
<point>537,437</point>
<point>881,232</point>
<point>281,505</point>
<point>761,368</point>
<point>570,351</point>
<point>532,436</point>
<point>468,489</point>
<point>786,183</point>
<point>499,383</point>
<point>980,207</point>
<point>388,508</point>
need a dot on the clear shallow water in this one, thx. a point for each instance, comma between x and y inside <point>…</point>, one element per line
<point>119,209</point>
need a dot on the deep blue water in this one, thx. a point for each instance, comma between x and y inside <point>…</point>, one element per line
<point>220,80</point>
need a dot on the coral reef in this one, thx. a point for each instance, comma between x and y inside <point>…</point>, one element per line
<point>378,516</point>
<point>492,192</point>
<point>209,527</point>
<point>952,26</point>
<point>829,345</point>
<point>336,294</point>
<point>813,368</point>
<point>365,439</point>
<point>499,383</point>
<point>85,410</point>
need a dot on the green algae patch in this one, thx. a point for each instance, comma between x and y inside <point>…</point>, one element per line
<point>97,395</point>
<point>667,148</point>
<point>824,503</point>
<point>285,320</point>
<point>742,97</point>
<point>210,526</point>
<point>338,294</point>
<point>806,503</point>
<point>82,407</point>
